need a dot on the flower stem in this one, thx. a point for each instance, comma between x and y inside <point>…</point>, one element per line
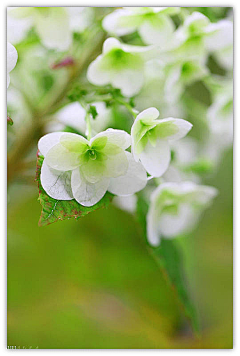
<point>127,106</point>
<point>89,128</point>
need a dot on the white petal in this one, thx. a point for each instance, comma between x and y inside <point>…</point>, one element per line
<point>60,158</point>
<point>129,81</point>
<point>156,159</point>
<point>117,137</point>
<point>53,28</point>
<point>48,141</point>
<point>56,184</point>
<point>96,75</point>
<point>73,115</point>
<point>86,193</point>
<point>133,181</point>
<point>127,203</point>
<point>183,128</point>
<point>112,23</point>
<point>220,35</point>
<point>148,114</point>
<point>110,44</point>
<point>17,28</point>
<point>12,57</point>
<point>172,225</point>
<point>161,35</point>
<point>153,232</point>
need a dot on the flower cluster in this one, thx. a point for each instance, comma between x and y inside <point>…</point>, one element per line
<point>151,111</point>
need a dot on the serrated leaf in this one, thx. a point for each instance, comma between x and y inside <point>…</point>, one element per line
<point>54,210</point>
<point>169,259</point>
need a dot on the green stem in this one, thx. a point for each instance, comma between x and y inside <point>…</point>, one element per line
<point>127,106</point>
<point>89,128</point>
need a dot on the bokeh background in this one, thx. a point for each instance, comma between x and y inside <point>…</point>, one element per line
<point>91,283</point>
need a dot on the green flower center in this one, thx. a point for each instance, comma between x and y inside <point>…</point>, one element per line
<point>92,154</point>
<point>118,59</point>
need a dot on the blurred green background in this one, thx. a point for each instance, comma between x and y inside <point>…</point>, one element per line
<point>92,284</point>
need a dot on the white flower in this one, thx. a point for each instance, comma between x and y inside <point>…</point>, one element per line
<point>80,17</point>
<point>153,24</point>
<point>197,37</point>
<point>220,42</point>
<point>74,167</point>
<point>150,139</point>
<point>175,209</point>
<point>17,28</point>
<point>73,115</point>
<point>120,65</point>
<point>12,57</point>
<point>51,24</point>
<point>220,115</point>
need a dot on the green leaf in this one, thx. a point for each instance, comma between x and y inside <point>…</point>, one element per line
<point>93,111</point>
<point>169,259</point>
<point>54,210</point>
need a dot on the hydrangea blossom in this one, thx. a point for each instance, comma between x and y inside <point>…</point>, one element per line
<point>153,24</point>
<point>74,167</point>
<point>151,137</point>
<point>175,208</point>
<point>120,65</point>
<point>12,57</point>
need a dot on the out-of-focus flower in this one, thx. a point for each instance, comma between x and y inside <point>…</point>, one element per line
<point>120,65</point>
<point>220,115</point>
<point>12,57</point>
<point>220,42</point>
<point>51,24</point>
<point>80,17</point>
<point>73,115</point>
<point>127,203</point>
<point>179,75</point>
<point>153,24</point>
<point>17,28</point>
<point>197,37</point>
<point>76,168</point>
<point>175,208</point>
<point>151,137</point>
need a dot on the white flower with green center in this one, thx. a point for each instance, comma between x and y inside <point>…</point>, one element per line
<point>12,57</point>
<point>51,23</point>
<point>175,208</point>
<point>74,167</point>
<point>198,36</point>
<point>120,65</point>
<point>153,24</point>
<point>151,137</point>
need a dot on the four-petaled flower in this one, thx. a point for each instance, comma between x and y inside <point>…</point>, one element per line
<point>74,167</point>
<point>120,65</point>
<point>150,139</point>
<point>175,208</point>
